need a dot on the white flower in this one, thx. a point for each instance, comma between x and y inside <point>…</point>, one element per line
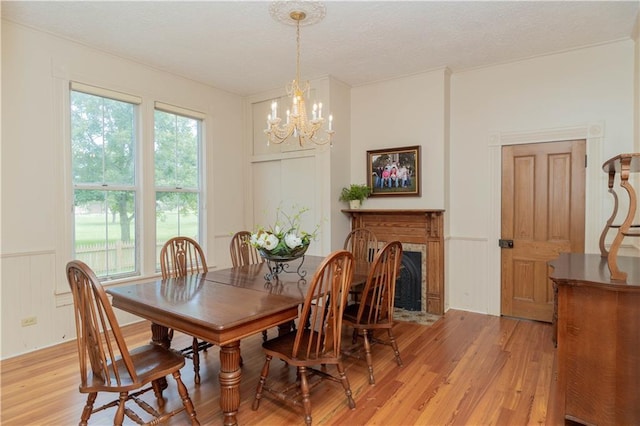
<point>284,237</point>
<point>255,241</point>
<point>270,242</point>
<point>292,240</point>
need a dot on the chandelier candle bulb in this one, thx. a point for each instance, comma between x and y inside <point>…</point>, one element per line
<point>330,122</point>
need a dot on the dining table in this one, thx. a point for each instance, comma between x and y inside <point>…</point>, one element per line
<point>223,306</point>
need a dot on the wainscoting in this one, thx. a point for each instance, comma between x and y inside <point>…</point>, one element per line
<point>28,284</point>
<point>34,314</point>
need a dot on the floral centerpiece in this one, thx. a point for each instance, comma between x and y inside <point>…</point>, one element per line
<point>284,240</point>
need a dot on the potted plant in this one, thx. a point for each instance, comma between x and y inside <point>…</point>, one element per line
<point>355,194</point>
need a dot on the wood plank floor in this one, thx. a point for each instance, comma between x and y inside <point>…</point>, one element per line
<point>466,369</point>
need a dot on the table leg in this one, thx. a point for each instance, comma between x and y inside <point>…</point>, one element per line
<point>286,328</point>
<point>229,377</point>
<point>160,335</point>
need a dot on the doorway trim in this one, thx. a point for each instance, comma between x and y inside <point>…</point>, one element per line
<point>593,133</point>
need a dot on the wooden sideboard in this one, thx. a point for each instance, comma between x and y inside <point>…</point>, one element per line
<point>598,335</point>
<point>411,226</point>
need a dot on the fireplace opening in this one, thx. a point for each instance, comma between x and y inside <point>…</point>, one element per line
<point>409,282</point>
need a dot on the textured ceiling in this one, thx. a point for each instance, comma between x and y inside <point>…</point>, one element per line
<point>237,46</point>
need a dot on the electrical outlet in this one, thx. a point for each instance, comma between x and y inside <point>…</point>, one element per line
<point>29,321</point>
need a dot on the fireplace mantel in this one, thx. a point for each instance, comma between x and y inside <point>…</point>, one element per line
<point>411,226</point>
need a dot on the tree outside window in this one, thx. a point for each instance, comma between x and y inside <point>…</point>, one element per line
<point>177,177</point>
<point>108,188</point>
<point>103,150</point>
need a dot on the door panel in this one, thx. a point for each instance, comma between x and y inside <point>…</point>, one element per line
<point>559,202</point>
<point>543,213</point>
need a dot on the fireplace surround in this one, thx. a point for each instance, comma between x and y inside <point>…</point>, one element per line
<point>418,231</point>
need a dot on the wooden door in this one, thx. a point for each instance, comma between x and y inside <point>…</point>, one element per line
<point>543,201</point>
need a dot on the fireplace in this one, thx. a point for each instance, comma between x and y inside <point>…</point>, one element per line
<point>409,282</point>
<point>419,231</point>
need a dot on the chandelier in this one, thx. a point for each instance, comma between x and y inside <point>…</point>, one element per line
<point>297,122</point>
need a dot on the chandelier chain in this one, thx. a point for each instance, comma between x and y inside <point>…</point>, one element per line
<point>298,51</point>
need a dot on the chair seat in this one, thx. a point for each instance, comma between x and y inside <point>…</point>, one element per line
<point>350,317</point>
<point>151,362</point>
<point>282,347</point>
<point>357,289</point>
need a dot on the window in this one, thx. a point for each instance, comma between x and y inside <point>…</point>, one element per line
<point>103,173</point>
<point>123,185</point>
<point>177,161</point>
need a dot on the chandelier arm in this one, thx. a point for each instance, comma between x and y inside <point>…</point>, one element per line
<point>277,134</point>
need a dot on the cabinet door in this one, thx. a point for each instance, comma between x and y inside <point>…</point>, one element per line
<point>288,184</point>
<point>598,358</point>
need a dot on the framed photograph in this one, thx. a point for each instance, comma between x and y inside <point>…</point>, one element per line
<point>394,171</point>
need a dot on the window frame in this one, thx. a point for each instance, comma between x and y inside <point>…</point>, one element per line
<point>145,210</point>
<point>135,187</point>
<point>200,189</point>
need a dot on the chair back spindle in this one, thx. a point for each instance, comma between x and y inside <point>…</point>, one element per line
<point>379,292</point>
<point>363,243</point>
<point>100,341</point>
<point>323,308</point>
<point>242,252</point>
<point>181,256</point>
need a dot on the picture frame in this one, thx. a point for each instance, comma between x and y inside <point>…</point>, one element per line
<point>394,171</point>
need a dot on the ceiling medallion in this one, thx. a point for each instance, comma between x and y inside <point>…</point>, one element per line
<point>314,12</point>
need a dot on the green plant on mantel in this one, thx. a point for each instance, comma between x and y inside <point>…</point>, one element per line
<point>355,192</point>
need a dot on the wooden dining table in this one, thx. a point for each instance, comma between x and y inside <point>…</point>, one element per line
<point>222,307</point>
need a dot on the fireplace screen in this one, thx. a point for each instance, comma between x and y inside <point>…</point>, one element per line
<point>409,283</point>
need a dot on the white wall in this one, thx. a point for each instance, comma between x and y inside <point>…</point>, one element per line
<point>636,181</point>
<point>589,89</point>
<point>403,112</point>
<point>636,38</point>
<point>36,68</point>
<point>580,92</point>
<point>340,163</point>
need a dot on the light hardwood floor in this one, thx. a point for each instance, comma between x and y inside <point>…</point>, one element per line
<point>466,369</point>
